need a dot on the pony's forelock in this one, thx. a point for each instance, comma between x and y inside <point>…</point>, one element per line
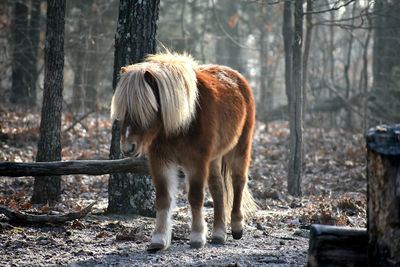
<point>178,93</point>
<point>134,97</point>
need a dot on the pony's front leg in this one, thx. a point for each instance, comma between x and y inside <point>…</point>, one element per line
<point>164,179</point>
<point>197,180</point>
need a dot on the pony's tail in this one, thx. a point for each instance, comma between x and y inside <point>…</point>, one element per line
<point>249,206</point>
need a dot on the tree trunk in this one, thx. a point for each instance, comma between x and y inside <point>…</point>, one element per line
<point>386,62</point>
<point>19,89</point>
<point>77,56</point>
<point>91,74</point>
<point>135,37</point>
<point>227,52</point>
<point>296,107</point>
<point>287,32</point>
<point>48,189</point>
<point>265,99</point>
<point>332,120</point>
<point>33,49</point>
<point>347,67</point>
<point>364,79</point>
<point>383,174</point>
<point>307,45</point>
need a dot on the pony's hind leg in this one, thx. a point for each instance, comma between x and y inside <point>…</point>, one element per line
<point>164,179</point>
<point>215,186</point>
<point>238,161</point>
<point>238,182</point>
<point>197,179</point>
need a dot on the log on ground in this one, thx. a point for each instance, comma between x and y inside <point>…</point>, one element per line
<point>91,167</point>
<point>337,246</point>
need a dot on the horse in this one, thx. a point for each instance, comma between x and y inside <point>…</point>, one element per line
<point>190,118</point>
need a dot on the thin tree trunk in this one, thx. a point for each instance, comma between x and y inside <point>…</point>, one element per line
<point>183,26</point>
<point>307,45</point>
<point>48,189</point>
<point>295,114</point>
<point>77,63</point>
<point>135,37</point>
<point>332,120</point>
<point>364,79</point>
<point>347,66</point>
<point>265,101</point>
<point>287,32</point>
<point>19,89</point>
<point>227,52</point>
<point>91,73</point>
<point>33,49</point>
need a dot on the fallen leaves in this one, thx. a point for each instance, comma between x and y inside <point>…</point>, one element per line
<point>101,234</point>
<point>136,235</point>
<point>334,182</point>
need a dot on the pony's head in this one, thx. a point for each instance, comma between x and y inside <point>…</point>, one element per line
<point>155,97</point>
<point>135,140</point>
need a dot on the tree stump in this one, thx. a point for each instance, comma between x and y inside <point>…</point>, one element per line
<point>337,246</point>
<point>383,173</point>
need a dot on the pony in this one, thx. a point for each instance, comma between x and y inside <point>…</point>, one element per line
<point>190,118</point>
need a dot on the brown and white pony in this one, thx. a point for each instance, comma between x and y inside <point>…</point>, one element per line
<point>195,118</point>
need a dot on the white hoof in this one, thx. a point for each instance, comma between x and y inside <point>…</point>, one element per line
<point>197,240</point>
<point>218,236</point>
<point>160,242</point>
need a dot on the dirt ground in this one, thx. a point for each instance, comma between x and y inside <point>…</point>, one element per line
<point>98,240</point>
<point>334,192</point>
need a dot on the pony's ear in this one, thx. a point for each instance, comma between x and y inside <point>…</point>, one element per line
<point>149,78</point>
<point>123,70</point>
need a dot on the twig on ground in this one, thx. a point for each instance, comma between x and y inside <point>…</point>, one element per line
<point>18,216</point>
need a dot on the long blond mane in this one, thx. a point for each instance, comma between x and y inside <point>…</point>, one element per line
<point>177,85</point>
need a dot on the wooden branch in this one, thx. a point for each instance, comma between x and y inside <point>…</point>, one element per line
<point>91,167</point>
<point>45,218</point>
<point>334,8</point>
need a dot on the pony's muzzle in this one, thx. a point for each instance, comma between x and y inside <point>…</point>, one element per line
<point>128,149</point>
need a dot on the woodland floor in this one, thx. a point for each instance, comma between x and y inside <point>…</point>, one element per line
<point>334,192</point>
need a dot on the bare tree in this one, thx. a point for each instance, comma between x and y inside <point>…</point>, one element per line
<point>386,57</point>
<point>135,37</point>
<point>19,90</point>
<point>33,51</point>
<point>227,48</point>
<point>295,105</point>
<point>48,189</point>
<point>25,53</point>
<point>287,32</point>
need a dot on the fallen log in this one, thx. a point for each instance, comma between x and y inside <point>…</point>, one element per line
<point>91,167</point>
<point>383,174</point>
<point>19,216</point>
<point>337,246</point>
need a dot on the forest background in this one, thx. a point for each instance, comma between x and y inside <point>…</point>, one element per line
<point>351,63</point>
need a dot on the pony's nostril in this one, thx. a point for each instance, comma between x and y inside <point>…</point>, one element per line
<point>133,148</point>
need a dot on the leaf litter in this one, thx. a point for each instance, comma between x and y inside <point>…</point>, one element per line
<point>333,187</point>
